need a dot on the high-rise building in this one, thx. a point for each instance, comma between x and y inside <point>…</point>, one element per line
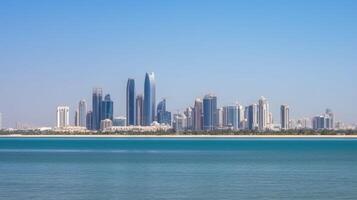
<point>149,99</point>
<point>89,120</point>
<point>179,122</point>
<point>263,114</point>
<point>139,110</point>
<point>284,117</point>
<point>97,98</point>
<point>219,118</point>
<point>107,108</point>
<point>232,117</point>
<point>76,118</point>
<point>198,115</point>
<point>163,116</point>
<point>209,112</point>
<point>332,120</point>
<point>130,102</point>
<point>82,113</point>
<point>252,117</point>
<point>324,122</point>
<point>189,118</point>
<point>62,116</point>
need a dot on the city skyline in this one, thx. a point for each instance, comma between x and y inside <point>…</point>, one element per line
<point>296,53</point>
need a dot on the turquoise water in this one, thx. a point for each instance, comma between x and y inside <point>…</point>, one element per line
<point>139,168</point>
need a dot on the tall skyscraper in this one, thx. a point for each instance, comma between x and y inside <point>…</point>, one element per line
<point>190,118</point>
<point>331,116</point>
<point>96,108</point>
<point>62,116</point>
<point>253,117</point>
<point>179,122</point>
<point>149,99</point>
<point>198,117</point>
<point>130,102</point>
<point>209,112</point>
<point>89,120</point>
<point>284,117</point>
<point>82,113</point>
<point>76,118</point>
<point>139,110</point>
<point>163,116</point>
<point>263,114</point>
<point>107,108</point>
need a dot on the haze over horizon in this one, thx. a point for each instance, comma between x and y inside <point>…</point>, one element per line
<point>298,53</point>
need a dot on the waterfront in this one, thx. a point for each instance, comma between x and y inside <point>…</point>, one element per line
<point>178,168</point>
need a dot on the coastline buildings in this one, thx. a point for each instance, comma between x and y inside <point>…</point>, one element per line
<point>139,110</point>
<point>130,102</point>
<point>232,117</point>
<point>198,115</point>
<point>209,112</point>
<point>252,117</point>
<point>96,108</point>
<point>82,113</point>
<point>163,116</point>
<point>120,121</point>
<point>263,114</point>
<point>89,120</point>
<point>107,108</point>
<point>149,99</point>
<point>324,121</point>
<point>62,116</point>
<point>285,117</point>
<point>105,124</point>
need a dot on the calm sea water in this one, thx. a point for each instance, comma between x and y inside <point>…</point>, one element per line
<point>135,169</point>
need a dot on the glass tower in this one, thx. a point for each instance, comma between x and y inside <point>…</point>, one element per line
<point>130,102</point>
<point>209,112</point>
<point>96,108</point>
<point>149,99</point>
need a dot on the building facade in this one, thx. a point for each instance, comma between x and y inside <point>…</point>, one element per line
<point>198,115</point>
<point>62,116</point>
<point>149,99</point>
<point>82,113</point>
<point>130,102</point>
<point>140,110</point>
<point>209,112</point>
<point>107,108</point>
<point>97,98</point>
<point>163,116</point>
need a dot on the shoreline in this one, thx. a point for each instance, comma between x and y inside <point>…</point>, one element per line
<point>178,136</point>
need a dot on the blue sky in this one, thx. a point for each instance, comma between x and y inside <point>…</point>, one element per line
<point>302,53</point>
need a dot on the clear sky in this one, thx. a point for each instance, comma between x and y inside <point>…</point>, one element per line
<point>301,53</point>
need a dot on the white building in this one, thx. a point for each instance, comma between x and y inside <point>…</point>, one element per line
<point>106,124</point>
<point>119,121</point>
<point>62,116</point>
<point>263,114</point>
<point>180,122</point>
<point>82,113</point>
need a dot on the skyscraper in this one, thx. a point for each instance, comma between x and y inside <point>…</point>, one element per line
<point>82,113</point>
<point>232,116</point>
<point>331,116</point>
<point>107,108</point>
<point>149,99</point>
<point>253,117</point>
<point>163,116</point>
<point>139,110</point>
<point>209,112</point>
<point>189,118</point>
<point>89,120</point>
<point>96,108</point>
<point>130,102</point>
<point>76,118</point>
<point>263,114</point>
<point>62,116</point>
<point>198,110</point>
<point>284,117</point>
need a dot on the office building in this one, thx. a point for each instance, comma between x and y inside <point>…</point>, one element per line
<point>140,110</point>
<point>163,116</point>
<point>209,112</point>
<point>149,99</point>
<point>189,118</point>
<point>130,102</point>
<point>263,114</point>
<point>97,98</point>
<point>284,117</point>
<point>179,122</point>
<point>105,124</point>
<point>82,113</point>
<point>252,117</point>
<point>198,115</point>
<point>62,116</point>
<point>107,108</point>
<point>232,117</point>
<point>89,120</point>
<point>76,118</point>
<point>120,121</point>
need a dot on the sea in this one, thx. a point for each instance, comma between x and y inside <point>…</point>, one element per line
<point>177,168</point>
